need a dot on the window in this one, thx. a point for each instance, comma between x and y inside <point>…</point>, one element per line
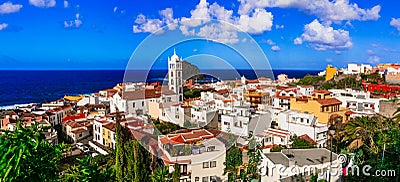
<point>205,179</point>
<point>213,178</point>
<point>172,74</point>
<point>133,105</point>
<point>210,148</point>
<point>196,179</point>
<point>206,165</point>
<point>213,164</point>
<point>142,103</point>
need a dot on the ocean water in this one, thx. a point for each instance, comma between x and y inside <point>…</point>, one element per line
<point>22,87</point>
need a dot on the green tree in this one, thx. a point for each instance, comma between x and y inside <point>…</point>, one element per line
<point>88,170</point>
<point>161,174</point>
<point>27,156</point>
<point>120,162</point>
<point>176,174</point>
<point>232,162</point>
<point>300,143</point>
<point>360,131</point>
<point>254,155</point>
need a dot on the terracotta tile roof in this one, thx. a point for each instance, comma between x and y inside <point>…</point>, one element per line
<point>186,137</point>
<point>326,92</point>
<point>110,90</point>
<point>74,124</point>
<point>81,130</point>
<point>329,101</point>
<point>73,118</point>
<point>110,126</point>
<point>252,81</point>
<point>264,79</point>
<point>349,113</point>
<point>223,91</point>
<point>308,138</point>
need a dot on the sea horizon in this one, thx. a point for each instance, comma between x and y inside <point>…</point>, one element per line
<point>38,86</point>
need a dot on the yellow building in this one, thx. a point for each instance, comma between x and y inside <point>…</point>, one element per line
<point>109,135</point>
<point>256,98</point>
<point>327,109</point>
<point>330,72</point>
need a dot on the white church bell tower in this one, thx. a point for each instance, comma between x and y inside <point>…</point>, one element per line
<point>175,75</point>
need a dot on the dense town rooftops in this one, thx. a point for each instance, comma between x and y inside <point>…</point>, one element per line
<point>186,137</point>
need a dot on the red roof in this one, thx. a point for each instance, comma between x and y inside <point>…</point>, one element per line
<point>349,113</point>
<point>329,101</point>
<point>252,81</point>
<point>326,92</point>
<point>81,130</point>
<point>110,126</point>
<point>73,118</point>
<point>308,138</point>
<point>186,137</point>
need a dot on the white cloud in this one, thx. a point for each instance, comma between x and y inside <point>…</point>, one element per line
<point>323,37</point>
<point>73,23</point>
<point>66,4</point>
<point>395,23</point>
<point>168,18</point>
<point>3,26</point>
<point>257,23</point>
<point>370,52</point>
<point>279,26</point>
<point>43,3</point>
<point>115,9</point>
<point>270,42</point>
<point>9,7</point>
<point>374,59</point>
<point>325,10</point>
<point>298,41</point>
<point>217,32</point>
<point>275,48</point>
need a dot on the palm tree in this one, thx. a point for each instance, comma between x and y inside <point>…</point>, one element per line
<point>161,174</point>
<point>360,131</point>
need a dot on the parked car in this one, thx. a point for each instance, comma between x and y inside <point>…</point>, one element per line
<point>79,146</point>
<point>85,149</point>
<point>94,154</point>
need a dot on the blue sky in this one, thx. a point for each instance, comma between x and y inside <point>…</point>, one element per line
<point>293,34</point>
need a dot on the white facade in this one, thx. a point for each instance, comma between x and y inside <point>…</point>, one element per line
<point>299,124</point>
<point>281,166</point>
<point>305,90</point>
<point>358,68</point>
<point>357,101</point>
<point>203,161</point>
<point>175,75</point>
<point>282,102</point>
<point>243,120</point>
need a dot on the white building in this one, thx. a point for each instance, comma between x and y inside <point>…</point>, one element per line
<point>306,90</point>
<point>357,101</point>
<point>358,68</point>
<point>244,120</point>
<point>282,102</point>
<point>136,103</point>
<point>199,154</point>
<point>300,124</point>
<point>289,163</point>
<point>175,75</point>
